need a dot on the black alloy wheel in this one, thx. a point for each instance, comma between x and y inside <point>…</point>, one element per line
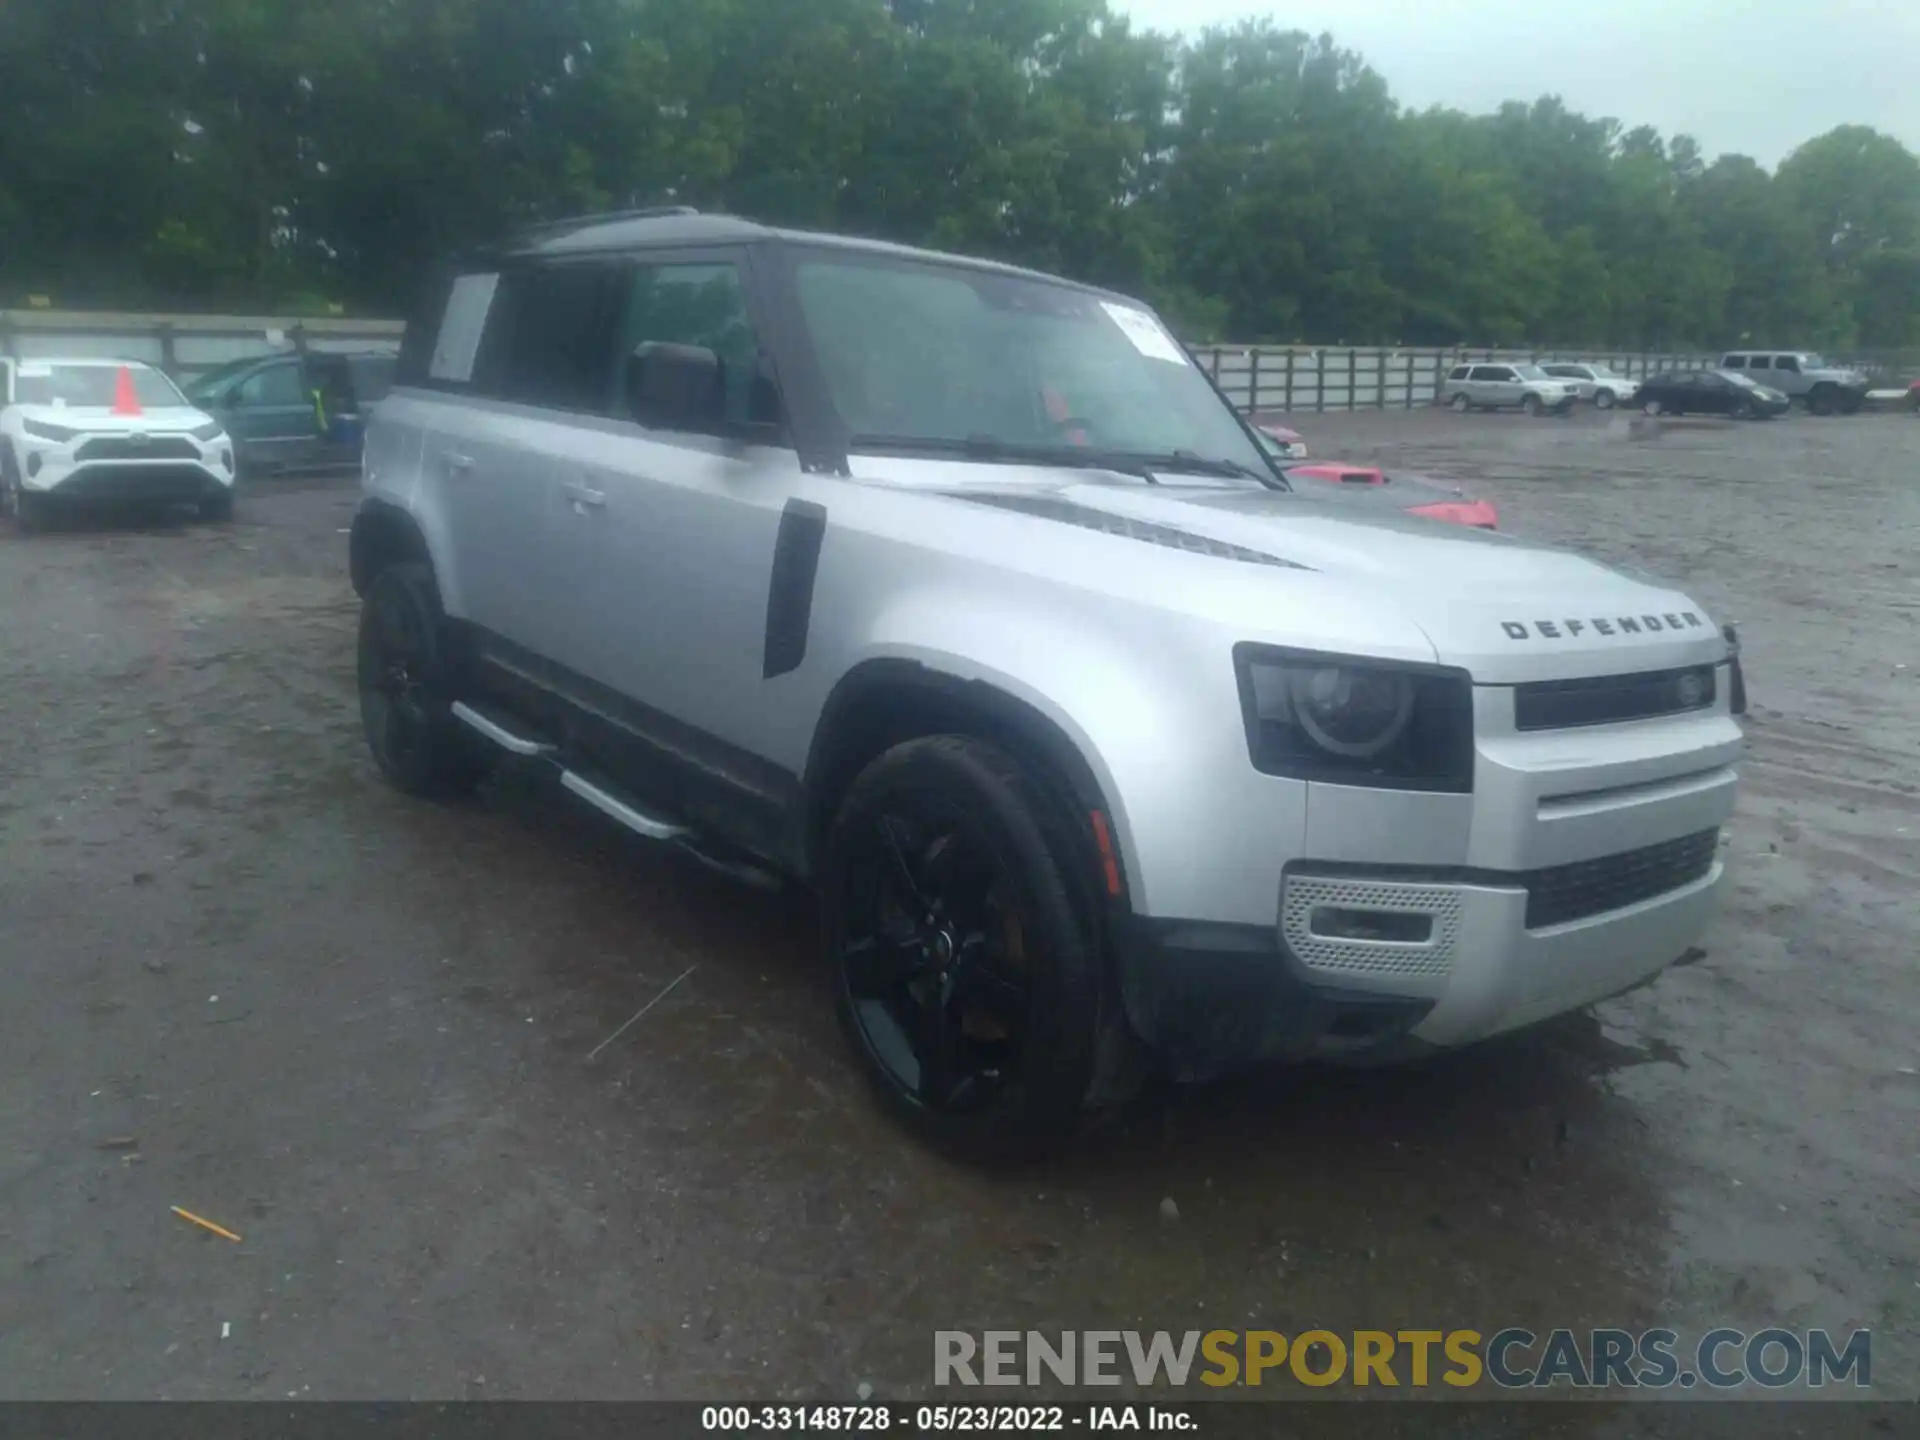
<point>970,981</point>
<point>405,701</point>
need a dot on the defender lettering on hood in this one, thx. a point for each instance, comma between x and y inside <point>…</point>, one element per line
<point>1602,625</point>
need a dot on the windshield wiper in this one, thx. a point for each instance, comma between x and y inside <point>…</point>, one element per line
<point>1141,464</point>
<point>1186,462</point>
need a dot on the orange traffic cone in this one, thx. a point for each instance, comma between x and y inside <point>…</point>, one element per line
<point>125,402</point>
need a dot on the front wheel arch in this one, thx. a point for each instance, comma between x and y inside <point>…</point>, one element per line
<point>882,703</point>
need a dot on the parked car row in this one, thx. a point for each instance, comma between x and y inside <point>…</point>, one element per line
<point>1755,383</point>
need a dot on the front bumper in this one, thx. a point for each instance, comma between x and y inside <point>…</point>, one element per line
<point>1584,861</point>
<point>177,480</point>
<point>1212,998</point>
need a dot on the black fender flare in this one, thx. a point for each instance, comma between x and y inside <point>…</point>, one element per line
<point>879,703</point>
<point>382,534</point>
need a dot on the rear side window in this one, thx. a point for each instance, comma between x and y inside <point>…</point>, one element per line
<point>551,336</point>
<point>272,385</point>
<point>457,344</point>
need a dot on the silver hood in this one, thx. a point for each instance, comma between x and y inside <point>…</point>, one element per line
<point>1505,609</point>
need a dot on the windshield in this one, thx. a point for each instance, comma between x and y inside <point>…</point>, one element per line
<point>1531,372</point>
<point>1737,378</point>
<point>93,385</point>
<point>943,354</point>
<point>1814,362</point>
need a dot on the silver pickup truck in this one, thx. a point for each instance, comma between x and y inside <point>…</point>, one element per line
<point>959,594</point>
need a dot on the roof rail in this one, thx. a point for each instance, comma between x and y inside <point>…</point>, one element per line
<point>548,229</point>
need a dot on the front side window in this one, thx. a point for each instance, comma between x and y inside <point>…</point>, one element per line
<point>92,385</point>
<point>1793,363</point>
<point>944,354</point>
<point>1493,372</point>
<point>1758,362</point>
<point>703,305</point>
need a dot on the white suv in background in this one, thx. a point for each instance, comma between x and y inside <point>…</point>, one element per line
<point>1498,386</point>
<point>1594,383</point>
<point>89,431</point>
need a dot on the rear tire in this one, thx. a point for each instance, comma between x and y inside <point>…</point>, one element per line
<point>1460,404</point>
<point>970,977</point>
<point>406,675</point>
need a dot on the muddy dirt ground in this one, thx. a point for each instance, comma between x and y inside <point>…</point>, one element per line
<point>239,976</point>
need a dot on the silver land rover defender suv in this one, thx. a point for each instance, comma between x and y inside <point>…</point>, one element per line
<point>960,594</point>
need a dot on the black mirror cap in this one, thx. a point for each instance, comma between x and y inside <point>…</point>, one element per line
<point>675,387</point>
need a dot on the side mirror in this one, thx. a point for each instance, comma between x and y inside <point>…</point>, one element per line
<point>676,387</point>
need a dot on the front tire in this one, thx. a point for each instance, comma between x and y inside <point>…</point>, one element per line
<point>406,675</point>
<point>969,973</point>
<point>27,510</point>
<point>1822,401</point>
<point>1531,405</point>
<point>217,509</point>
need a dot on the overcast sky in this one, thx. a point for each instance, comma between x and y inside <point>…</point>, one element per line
<point>1753,76</point>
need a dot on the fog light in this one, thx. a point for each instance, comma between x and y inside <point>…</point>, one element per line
<point>1398,927</point>
<point>33,462</point>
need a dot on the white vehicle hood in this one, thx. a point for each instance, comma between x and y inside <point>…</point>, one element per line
<point>1507,610</point>
<point>101,419</point>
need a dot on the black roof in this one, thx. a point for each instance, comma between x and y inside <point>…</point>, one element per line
<point>669,226</point>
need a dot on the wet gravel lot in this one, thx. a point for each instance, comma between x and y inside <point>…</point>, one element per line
<point>239,976</point>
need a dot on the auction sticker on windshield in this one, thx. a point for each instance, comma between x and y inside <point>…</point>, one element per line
<point>1145,333</point>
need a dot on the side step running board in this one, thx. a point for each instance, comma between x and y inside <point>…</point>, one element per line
<point>629,815</point>
<point>498,733</point>
<point>637,821</point>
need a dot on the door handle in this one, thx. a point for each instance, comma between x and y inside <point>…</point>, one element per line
<point>456,464</point>
<point>583,495</point>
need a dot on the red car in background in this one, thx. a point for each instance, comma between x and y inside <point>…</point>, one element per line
<point>1416,497</point>
<point>1366,484</point>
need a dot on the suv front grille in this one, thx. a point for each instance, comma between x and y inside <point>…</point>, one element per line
<point>1593,887</point>
<point>1606,699</point>
<point>120,447</point>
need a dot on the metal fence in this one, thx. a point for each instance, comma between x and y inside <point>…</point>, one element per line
<point>1321,378</point>
<point>1280,378</point>
<point>183,345</point>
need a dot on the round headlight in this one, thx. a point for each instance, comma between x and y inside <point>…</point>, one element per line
<point>1352,713</point>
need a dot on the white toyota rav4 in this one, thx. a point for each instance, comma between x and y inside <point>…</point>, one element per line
<point>960,593</point>
<point>80,431</point>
